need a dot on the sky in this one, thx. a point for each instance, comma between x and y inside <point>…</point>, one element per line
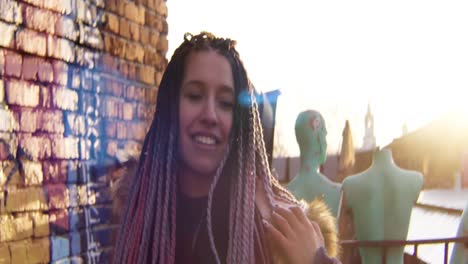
<point>407,59</point>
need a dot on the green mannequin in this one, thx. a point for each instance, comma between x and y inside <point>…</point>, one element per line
<point>460,252</point>
<point>310,183</point>
<point>381,200</point>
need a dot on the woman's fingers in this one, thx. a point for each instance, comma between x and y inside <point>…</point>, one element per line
<point>277,239</point>
<point>300,215</point>
<point>289,216</point>
<point>281,222</point>
<point>293,235</point>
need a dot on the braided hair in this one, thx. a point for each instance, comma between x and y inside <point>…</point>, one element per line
<point>148,235</point>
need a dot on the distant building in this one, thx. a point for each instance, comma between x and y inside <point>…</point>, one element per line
<point>369,137</point>
<point>436,150</point>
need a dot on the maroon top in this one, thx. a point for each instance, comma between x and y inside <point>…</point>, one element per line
<point>192,242</point>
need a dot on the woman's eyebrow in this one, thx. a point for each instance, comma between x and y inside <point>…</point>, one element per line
<point>227,89</point>
<point>194,82</point>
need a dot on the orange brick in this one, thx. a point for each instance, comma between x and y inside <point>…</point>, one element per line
<point>46,73</point>
<point>162,44</point>
<point>67,28</point>
<point>40,223</point>
<point>38,147</point>
<point>128,111</point>
<point>9,169</point>
<point>11,11</point>
<point>62,6</point>
<point>28,199</point>
<point>124,28</point>
<point>122,128</point>
<point>38,251</point>
<point>13,62</point>
<point>162,8</point>
<point>31,42</point>
<point>82,195</point>
<point>51,121</point>
<point>146,74</point>
<point>55,171</point>
<point>32,172</point>
<point>134,52</point>
<point>15,228</point>
<point>40,19</point>
<point>28,120</point>
<point>64,98</point>
<point>5,257</point>
<point>60,69</point>
<point>2,202</point>
<point>139,130</point>
<point>113,45</point>
<point>65,148</point>
<point>112,23</point>
<point>75,124</point>
<point>60,48</point>
<point>2,62</point>
<point>9,122</point>
<point>111,106</point>
<point>152,4</point>
<point>135,31</point>
<point>152,20</point>
<point>135,13</point>
<point>18,251</point>
<point>154,38</point>
<point>7,31</point>
<point>22,93</point>
<point>144,35</point>
<point>58,196</point>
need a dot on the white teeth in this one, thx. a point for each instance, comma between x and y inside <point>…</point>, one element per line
<point>205,140</point>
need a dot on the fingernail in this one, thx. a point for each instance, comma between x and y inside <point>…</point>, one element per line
<point>265,223</point>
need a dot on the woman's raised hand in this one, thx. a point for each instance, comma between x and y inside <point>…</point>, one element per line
<point>292,236</point>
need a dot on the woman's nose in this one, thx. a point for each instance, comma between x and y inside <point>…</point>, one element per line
<point>209,115</point>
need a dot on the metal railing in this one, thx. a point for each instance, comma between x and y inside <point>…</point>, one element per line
<point>385,244</point>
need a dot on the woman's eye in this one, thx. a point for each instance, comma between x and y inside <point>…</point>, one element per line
<point>194,97</point>
<point>227,105</point>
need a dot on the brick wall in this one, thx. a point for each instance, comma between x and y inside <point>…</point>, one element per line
<point>78,83</point>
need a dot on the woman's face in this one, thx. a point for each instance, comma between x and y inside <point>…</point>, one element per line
<point>206,105</point>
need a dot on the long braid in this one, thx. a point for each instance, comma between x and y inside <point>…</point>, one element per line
<point>157,204</point>
<point>127,227</point>
<point>149,214</point>
<point>209,205</point>
<point>272,187</point>
<point>250,194</point>
<point>235,199</point>
<point>167,194</point>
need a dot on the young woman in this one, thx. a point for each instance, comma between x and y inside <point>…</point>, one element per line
<point>203,191</point>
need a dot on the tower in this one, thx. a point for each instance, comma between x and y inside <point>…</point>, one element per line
<point>369,138</point>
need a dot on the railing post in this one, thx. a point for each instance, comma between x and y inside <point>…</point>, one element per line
<point>384,255</point>
<point>446,252</point>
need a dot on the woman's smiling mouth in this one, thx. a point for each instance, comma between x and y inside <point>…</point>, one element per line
<point>205,140</point>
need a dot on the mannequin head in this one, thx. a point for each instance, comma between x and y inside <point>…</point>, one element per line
<point>311,135</point>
